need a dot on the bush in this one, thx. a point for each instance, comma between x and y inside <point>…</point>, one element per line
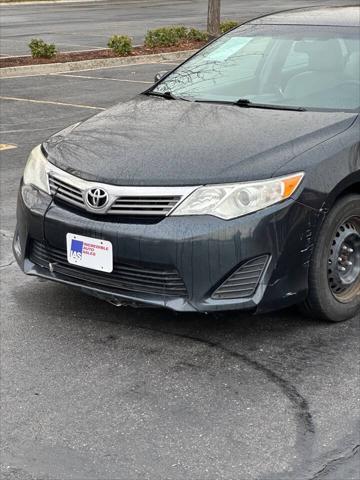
<point>196,35</point>
<point>228,25</point>
<point>170,36</point>
<point>165,36</point>
<point>180,31</point>
<point>40,49</point>
<point>120,44</point>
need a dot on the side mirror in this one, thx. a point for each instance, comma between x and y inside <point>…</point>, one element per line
<point>160,75</point>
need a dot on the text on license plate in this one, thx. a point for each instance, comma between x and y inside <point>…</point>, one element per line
<point>89,252</point>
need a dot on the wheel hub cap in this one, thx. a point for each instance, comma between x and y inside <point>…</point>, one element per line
<point>344,261</point>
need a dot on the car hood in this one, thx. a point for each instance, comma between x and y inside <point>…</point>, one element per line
<point>154,141</point>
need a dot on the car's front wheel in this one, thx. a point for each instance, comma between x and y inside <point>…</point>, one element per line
<point>334,277</point>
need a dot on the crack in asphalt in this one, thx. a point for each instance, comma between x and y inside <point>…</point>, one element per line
<point>305,423</point>
<point>6,234</point>
<point>6,265</point>
<point>328,466</point>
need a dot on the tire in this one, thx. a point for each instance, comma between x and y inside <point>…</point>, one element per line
<point>334,293</point>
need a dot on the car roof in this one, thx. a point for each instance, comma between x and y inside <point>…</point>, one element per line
<point>348,16</point>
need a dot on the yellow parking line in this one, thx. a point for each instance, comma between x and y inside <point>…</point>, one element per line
<point>7,146</point>
<point>49,102</point>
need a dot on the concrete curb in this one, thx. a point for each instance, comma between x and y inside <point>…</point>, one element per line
<point>31,70</point>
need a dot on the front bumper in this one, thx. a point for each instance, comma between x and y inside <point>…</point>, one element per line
<point>203,250</point>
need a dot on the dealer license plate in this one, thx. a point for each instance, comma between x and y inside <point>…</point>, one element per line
<point>89,252</point>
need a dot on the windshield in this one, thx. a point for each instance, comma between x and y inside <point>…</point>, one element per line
<point>312,68</point>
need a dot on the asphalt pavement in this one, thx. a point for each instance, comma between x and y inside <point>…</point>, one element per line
<point>88,25</point>
<point>92,391</point>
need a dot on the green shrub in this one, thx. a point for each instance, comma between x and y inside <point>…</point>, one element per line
<point>120,44</point>
<point>196,35</point>
<point>165,36</point>
<point>40,49</point>
<point>180,31</point>
<point>228,25</point>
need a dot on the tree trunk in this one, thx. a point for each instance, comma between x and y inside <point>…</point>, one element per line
<point>213,26</point>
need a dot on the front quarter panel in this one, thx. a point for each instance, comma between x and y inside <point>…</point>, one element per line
<point>330,168</point>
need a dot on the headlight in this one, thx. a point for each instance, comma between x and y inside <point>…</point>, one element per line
<point>235,200</point>
<point>35,172</point>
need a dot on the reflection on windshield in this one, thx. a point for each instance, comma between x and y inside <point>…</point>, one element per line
<point>275,65</point>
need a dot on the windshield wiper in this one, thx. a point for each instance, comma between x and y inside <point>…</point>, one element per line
<point>244,102</point>
<point>167,95</point>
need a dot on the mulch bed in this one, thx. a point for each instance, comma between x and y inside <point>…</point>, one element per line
<point>94,54</point>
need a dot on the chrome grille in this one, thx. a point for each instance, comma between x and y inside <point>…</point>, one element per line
<point>124,277</point>
<point>244,281</point>
<point>131,201</point>
<point>144,205</point>
<point>65,191</point>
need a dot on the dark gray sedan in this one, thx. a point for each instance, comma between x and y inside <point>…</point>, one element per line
<point>232,183</point>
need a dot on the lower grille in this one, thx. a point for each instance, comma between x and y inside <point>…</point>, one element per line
<point>124,277</point>
<point>244,281</point>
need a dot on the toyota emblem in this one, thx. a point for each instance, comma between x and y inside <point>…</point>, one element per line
<point>97,197</point>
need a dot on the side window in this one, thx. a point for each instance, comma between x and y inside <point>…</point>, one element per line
<point>295,60</point>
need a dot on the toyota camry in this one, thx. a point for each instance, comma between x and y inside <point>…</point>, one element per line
<point>233,183</point>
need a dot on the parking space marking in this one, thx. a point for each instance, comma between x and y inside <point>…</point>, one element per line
<point>99,78</point>
<point>90,70</point>
<point>24,76</point>
<point>7,146</point>
<point>19,130</point>
<point>49,102</point>
<point>59,44</point>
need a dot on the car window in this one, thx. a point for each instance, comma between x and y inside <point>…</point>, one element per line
<point>253,63</point>
<point>227,62</point>
<point>250,55</point>
<point>295,60</point>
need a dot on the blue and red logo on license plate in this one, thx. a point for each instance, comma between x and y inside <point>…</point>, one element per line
<point>89,252</point>
<point>76,249</point>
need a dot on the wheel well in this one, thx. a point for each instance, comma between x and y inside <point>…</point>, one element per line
<point>334,197</point>
<point>355,188</point>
